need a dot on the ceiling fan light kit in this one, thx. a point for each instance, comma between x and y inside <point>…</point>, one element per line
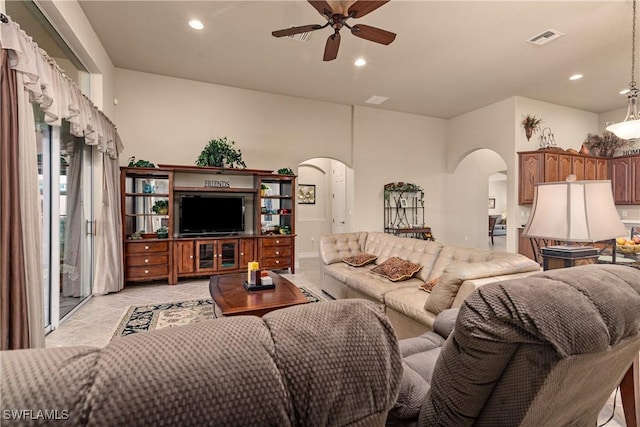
<point>629,128</point>
<point>337,15</point>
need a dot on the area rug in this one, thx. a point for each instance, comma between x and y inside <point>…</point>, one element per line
<point>142,318</point>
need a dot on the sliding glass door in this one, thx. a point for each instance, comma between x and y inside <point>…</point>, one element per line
<point>66,179</point>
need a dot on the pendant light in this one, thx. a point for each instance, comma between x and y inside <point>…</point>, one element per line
<point>630,127</point>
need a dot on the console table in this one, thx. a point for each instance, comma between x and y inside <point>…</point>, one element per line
<point>423,233</point>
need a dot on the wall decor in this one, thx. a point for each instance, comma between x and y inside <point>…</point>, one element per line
<point>531,124</point>
<point>492,203</point>
<point>307,194</point>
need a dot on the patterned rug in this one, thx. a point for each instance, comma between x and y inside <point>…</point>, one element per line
<point>142,318</point>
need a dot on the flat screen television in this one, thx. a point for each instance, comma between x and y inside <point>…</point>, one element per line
<point>211,215</point>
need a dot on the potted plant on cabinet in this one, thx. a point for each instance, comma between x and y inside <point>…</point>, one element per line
<point>220,153</point>
<point>605,145</point>
<point>160,207</point>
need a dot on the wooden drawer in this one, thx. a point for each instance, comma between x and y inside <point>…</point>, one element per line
<point>153,258</point>
<point>276,263</point>
<point>146,247</point>
<point>276,251</point>
<point>136,273</point>
<point>275,241</point>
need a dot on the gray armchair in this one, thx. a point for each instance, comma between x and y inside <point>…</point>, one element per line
<point>548,349</point>
<point>331,363</point>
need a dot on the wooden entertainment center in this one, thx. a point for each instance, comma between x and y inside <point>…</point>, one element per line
<point>159,246</point>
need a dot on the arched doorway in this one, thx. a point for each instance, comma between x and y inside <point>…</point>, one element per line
<point>329,212</point>
<point>467,212</point>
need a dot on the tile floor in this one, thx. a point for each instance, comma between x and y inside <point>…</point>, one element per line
<point>95,322</point>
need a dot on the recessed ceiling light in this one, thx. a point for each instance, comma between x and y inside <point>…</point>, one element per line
<point>376,99</point>
<point>576,77</point>
<point>624,91</point>
<point>360,62</point>
<point>195,24</point>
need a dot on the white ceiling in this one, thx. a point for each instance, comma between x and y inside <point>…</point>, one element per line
<point>449,58</point>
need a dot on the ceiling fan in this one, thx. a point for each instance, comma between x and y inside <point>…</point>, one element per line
<point>337,13</point>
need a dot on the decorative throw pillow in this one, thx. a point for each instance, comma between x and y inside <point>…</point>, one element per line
<point>428,286</point>
<point>396,269</point>
<point>358,260</point>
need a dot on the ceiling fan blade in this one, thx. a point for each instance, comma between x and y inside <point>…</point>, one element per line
<point>321,6</point>
<point>331,48</point>
<point>373,34</point>
<point>364,7</point>
<point>296,30</point>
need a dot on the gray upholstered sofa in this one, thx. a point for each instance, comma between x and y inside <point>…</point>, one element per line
<point>411,310</point>
<point>332,363</point>
<point>545,350</point>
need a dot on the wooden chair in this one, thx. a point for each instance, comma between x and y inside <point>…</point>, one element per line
<point>492,225</point>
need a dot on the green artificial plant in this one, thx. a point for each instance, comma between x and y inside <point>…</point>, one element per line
<point>220,153</point>
<point>133,163</point>
<point>285,171</point>
<point>160,207</point>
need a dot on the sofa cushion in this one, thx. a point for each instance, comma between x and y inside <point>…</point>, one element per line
<point>335,247</point>
<point>413,391</point>
<point>358,260</point>
<point>376,286</point>
<point>396,269</point>
<point>428,286</point>
<point>410,302</point>
<point>442,296</point>
<point>421,252</point>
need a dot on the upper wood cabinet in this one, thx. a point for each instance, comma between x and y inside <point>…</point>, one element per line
<point>625,174</point>
<point>552,166</point>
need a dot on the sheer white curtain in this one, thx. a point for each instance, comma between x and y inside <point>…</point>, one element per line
<point>60,98</point>
<point>109,276</point>
<point>73,226</point>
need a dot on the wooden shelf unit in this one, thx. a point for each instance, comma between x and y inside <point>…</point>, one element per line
<point>269,237</point>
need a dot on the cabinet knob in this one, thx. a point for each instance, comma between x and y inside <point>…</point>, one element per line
<point>277,253</point>
<point>146,246</point>
<point>146,260</point>
<point>241,253</point>
<point>191,257</point>
<point>146,272</point>
<point>277,261</point>
<point>277,241</point>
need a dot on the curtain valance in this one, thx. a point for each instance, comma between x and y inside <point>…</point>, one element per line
<point>58,96</point>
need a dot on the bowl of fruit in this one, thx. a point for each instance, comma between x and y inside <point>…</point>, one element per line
<point>628,246</point>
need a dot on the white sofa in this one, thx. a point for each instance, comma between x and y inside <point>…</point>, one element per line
<point>411,310</point>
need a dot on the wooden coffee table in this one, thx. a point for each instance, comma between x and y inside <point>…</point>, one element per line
<point>231,296</point>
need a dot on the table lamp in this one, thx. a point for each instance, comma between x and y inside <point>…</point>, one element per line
<point>574,212</point>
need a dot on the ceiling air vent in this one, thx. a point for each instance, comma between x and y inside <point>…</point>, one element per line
<point>545,37</point>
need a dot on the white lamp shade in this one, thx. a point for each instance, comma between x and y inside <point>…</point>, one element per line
<point>629,129</point>
<point>574,211</point>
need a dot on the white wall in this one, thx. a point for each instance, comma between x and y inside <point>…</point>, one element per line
<point>569,125</point>
<point>491,128</point>
<point>169,121</point>
<point>467,215</point>
<point>391,146</point>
